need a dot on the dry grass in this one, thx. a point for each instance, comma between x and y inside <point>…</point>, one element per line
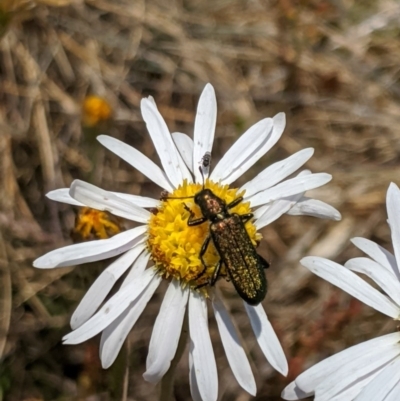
<point>333,67</point>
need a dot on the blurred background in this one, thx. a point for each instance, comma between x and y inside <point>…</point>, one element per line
<point>71,70</point>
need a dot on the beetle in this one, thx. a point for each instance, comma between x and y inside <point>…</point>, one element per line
<point>244,266</point>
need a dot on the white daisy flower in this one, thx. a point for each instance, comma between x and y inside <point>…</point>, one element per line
<point>173,247</point>
<point>370,370</point>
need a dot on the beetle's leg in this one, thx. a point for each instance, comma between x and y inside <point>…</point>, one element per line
<point>214,277</point>
<point>191,221</point>
<point>201,254</point>
<point>235,202</point>
<point>246,217</point>
<point>216,272</point>
<point>263,262</point>
<point>196,222</point>
<point>204,249</point>
<point>201,285</point>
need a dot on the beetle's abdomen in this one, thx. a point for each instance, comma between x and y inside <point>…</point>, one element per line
<point>243,265</point>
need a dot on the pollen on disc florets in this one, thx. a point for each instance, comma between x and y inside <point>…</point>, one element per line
<point>175,246</point>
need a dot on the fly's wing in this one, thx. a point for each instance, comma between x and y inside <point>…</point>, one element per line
<point>244,266</point>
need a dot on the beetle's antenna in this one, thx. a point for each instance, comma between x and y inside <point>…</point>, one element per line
<point>204,168</point>
<point>166,197</point>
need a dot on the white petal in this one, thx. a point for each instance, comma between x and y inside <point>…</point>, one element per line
<point>151,98</point>
<point>91,251</point>
<point>383,277</point>
<point>354,389</point>
<point>312,377</point>
<point>279,122</point>
<point>138,200</point>
<point>203,354</point>
<point>62,195</point>
<point>162,140</point>
<point>316,208</point>
<point>377,253</point>
<point>293,392</point>
<point>115,334</point>
<point>166,332</point>
<point>354,370</point>
<point>394,394</point>
<point>380,388</point>
<point>136,159</point>
<point>204,127</point>
<point>351,392</point>
<point>261,210</point>
<point>276,210</point>
<point>393,210</point>
<point>243,149</point>
<point>102,286</point>
<point>185,169</point>
<point>110,310</point>
<point>266,338</point>
<point>280,206</point>
<point>100,199</point>
<point>233,349</point>
<point>351,283</point>
<point>277,172</point>
<point>194,388</point>
<point>184,145</point>
<point>137,269</point>
<point>289,187</point>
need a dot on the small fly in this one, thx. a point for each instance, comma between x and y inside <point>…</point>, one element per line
<point>244,266</point>
<point>206,163</point>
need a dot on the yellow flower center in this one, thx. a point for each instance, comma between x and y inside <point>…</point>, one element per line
<point>94,224</point>
<point>175,246</point>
